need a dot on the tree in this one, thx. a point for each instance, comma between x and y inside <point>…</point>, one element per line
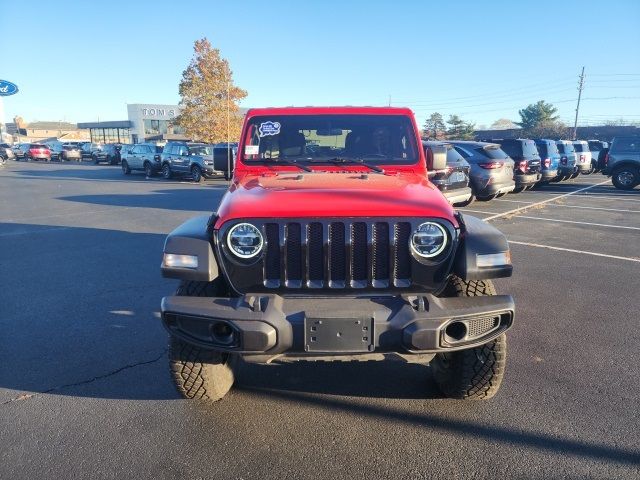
<point>209,99</point>
<point>434,127</point>
<point>550,129</point>
<point>503,124</point>
<point>459,130</point>
<point>536,114</point>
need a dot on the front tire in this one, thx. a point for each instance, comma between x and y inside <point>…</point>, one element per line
<point>196,174</point>
<point>199,373</point>
<point>166,171</point>
<point>625,178</point>
<point>475,373</point>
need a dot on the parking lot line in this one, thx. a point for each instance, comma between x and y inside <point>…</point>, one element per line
<point>578,223</point>
<point>628,259</point>
<point>593,208</point>
<point>515,210</point>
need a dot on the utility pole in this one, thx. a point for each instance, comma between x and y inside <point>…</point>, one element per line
<point>580,87</point>
<point>389,99</point>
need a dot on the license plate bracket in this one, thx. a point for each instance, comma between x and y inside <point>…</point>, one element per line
<point>330,335</point>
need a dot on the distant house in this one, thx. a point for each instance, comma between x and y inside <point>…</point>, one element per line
<point>43,131</point>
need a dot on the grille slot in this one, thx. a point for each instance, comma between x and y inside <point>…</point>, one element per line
<point>359,255</point>
<point>272,257</point>
<point>380,260</point>
<point>293,269</point>
<point>337,255</point>
<point>315,253</point>
<point>402,257</point>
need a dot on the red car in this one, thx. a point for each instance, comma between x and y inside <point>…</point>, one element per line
<point>38,151</point>
<point>330,244</point>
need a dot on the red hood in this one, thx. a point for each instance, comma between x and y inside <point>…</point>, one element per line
<point>333,194</point>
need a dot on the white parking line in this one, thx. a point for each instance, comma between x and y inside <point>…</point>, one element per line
<point>563,205</point>
<point>578,223</point>
<point>628,259</point>
<point>519,209</point>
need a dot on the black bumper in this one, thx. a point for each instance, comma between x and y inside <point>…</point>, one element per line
<point>272,324</point>
<point>549,174</point>
<point>527,179</point>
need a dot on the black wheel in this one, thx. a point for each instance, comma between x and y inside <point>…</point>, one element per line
<point>199,373</point>
<point>518,190</point>
<point>125,168</point>
<point>148,170</point>
<point>95,159</point>
<point>475,373</point>
<point>166,171</point>
<point>196,174</point>
<point>575,174</point>
<point>466,203</point>
<point>626,177</point>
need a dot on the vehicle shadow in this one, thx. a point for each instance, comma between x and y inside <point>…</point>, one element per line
<point>189,199</point>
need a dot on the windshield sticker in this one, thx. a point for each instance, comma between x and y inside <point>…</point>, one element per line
<point>251,149</point>
<point>269,128</point>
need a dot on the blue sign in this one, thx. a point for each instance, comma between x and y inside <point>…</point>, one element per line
<point>7,88</point>
<point>269,128</point>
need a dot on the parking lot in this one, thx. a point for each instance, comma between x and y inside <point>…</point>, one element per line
<point>85,389</point>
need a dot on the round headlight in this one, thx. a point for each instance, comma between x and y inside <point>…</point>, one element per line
<point>429,239</point>
<point>245,240</point>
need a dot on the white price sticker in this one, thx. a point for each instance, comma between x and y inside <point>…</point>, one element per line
<point>251,149</point>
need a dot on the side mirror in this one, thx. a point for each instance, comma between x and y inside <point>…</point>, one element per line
<point>436,157</point>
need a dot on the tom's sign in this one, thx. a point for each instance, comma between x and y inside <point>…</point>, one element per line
<point>7,88</point>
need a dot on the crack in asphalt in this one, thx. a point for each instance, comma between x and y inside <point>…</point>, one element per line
<point>27,396</point>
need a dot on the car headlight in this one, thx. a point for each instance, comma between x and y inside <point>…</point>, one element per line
<point>245,240</point>
<point>429,239</point>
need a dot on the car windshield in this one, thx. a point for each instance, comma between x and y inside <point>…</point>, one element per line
<point>381,138</point>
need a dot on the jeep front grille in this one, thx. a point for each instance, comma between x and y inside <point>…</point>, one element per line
<point>344,254</point>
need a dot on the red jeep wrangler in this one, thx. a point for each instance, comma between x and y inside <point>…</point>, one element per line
<point>332,243</point>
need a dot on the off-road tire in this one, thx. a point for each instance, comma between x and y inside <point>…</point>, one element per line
<point>196,174</point>
<point>166,171</point>
<point>475,373</point>
<point>199,373</point>
<point>631,172</point>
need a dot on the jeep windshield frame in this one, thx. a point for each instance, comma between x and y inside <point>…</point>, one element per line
<point>323,138</point>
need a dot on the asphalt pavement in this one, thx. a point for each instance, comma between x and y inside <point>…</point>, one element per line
<point>85,390</point>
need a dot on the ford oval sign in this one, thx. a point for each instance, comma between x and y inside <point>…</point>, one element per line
<point>7,88</point>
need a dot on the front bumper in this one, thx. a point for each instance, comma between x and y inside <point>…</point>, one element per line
<point>458,195</point>
<point>273,325</point>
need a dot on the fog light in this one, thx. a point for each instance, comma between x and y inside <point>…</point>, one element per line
<point>173,260</point>
<point>494,259</point>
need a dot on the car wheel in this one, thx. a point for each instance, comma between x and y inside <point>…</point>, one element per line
<point>200,373</point>
<point>125,168</point>
<point>486,198</point>
<point>166,171</point>
<point>474,373</point>
<point>625,178</point>
<point>518,190</point>
<point>196,174</point>
<point>575,174</point>
<point>148,170</point>
<point>466,203</point>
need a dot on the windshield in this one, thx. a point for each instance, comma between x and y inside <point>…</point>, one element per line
<point>382,138</point>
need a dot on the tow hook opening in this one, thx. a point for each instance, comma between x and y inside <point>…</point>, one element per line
<point>456,331</point>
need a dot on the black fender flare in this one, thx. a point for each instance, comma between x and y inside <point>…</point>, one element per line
<point>480,238</point>
<point>193,237</point>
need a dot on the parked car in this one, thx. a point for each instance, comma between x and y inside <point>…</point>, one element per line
<point>89,148</point>
<point>453,181</point>
<point>142,156</point>
<point>598,151</point>
<point>20,150</point>
<point>327,257</point>
<point>527,163</point>
<point>583,157</point>
<point>567,159</point>
<point>224,157</point>
<point>109,153</point>
<point>623,162</point>
<point>38,151</point>
<point>71,151</point>
<point>6,152</point>
<point>189,158</point>
<point>56,149</point>
<point>549,159</point>
<point>491,172</point>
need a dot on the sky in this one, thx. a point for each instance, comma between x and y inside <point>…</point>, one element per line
<point>85,60</point>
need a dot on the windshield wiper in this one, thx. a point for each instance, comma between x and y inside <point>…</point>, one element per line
<point>288,162</point>
<point>356,160</point>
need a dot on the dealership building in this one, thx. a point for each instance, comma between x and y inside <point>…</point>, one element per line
<point>145,123</point>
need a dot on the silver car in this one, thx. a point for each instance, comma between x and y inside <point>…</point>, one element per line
<point>491,173</point>
<point>142,156</point>
<point>583,156</point>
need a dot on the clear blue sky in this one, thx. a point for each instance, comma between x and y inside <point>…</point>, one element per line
<point>85,60</point>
